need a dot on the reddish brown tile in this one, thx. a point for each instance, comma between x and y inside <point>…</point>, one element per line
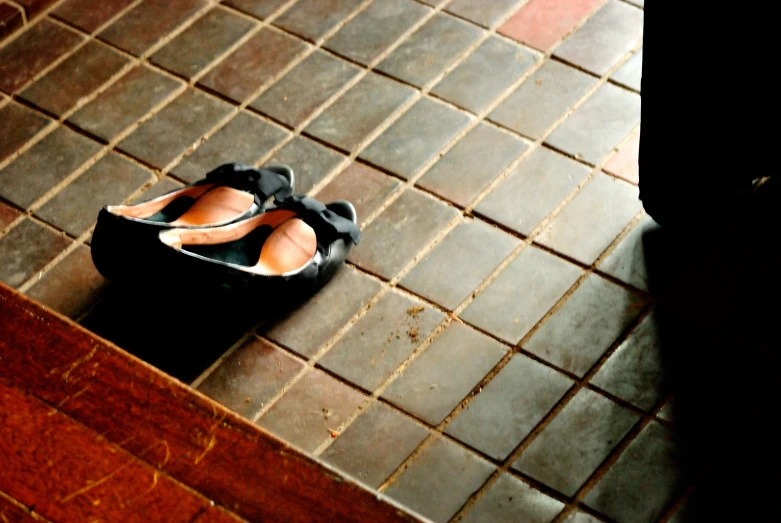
<point>359,111</point>
<point>259,8</point>
<point>359,184</point>
<point>543,23</point>
<point>32,52</point>
<point>375,444</point>
<point>26,250</point>
<point>148,22</point>
<point>57,92</point>
<point>470,252</point>
<point>34,7</point>
<point>312,162</point>
<point>109,182</point>
<point>381,340</point>
<point>308,412</point>
<point>437,380</point>
<point>472,164</point>
<point>440,480</point>
<point>605,38</point>
<point>10,20</point>
<point>88,14</point>
<point>255,62</point>
<point>510,499</point>
<point>489,426</point>
<point>175,128</point>
<point>18,125</point>
<point>625,164</point>
<point>201,43</point>
<point>375,29</point>
<point>245,139</point>
<point>315,322</point>
<point>482,13</point>
<point>312,19</point>
<point>294,97</point>
<point>250,377</point>
<point>7,215</point>
<point>393,239</point>
<point>44,165</point>
<point>124,103</point>
<point>72,286</point>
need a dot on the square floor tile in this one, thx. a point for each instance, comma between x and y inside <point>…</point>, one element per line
<point>440,480</point>
<point>311,161</point>
<point>88,14</point>
<point>543,23</point>
<point>430,50</point>
<point>310,410</point>
<point>366,188</point>
<point>509,407</point>
<point>375,29</point>
<point>312,324</point>
<point>542,99</point>
<point>472,164</point>
<point>245,139</point>
<point>532,190</point>
<point>433,124</point>
<point>312,19</point>
<point>468,255</point>
<point>203,42</point>
<point>10,20</point>
<point>607,36</point>
<point>568,451</point>
<point>252,64</point>
<point>27,249</point>
<point>250,377</point>
<point>44,165</point>
<point>627,261</point>
<point>643,482</point>
<point>57,92</point>
<point>510,499</point>
<point>294,97</point>
<point>359,111</point>
<point>590,222</point>
<point>522,294</point>
<point>375,444</point>
<point>393,239</point>
<point>124,103</point>
<point>631,72</point>
<point>109,182</point>
<point>72,286</point>
<point>635,372</point>
<point>18,125</point>
<point>626,162</point>
<point>381,340</point>
<point>437,380</point>
<point>7,215</point>
<point>597,126</point>
<point>486,14</point>
<point>588,323</point>
<point>485,74</point>
<point>259,8</point>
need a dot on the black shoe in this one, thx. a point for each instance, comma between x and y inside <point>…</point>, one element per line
<point>296,247</point>
<point>125,242</point>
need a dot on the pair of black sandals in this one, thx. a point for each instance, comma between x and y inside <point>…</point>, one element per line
<point>223,232</point>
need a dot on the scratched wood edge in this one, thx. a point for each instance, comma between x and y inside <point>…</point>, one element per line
<point>254,475</point>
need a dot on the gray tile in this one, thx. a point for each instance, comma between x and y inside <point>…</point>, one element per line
<point>627,261</point>
<point>643,482</point>
<point>158,189</point>
<point>472,164</point>
<point>532,190</point>
<point>430,50</point>
<point>668,411</point>
<point>510,499</point>
<point>311,161</point>
<point>433,124</point>
<point>437,381</point>
<point>375,29</point>
<point>486,14</point>
<point>245,139</point>
<point>588,323</point>
<point>631,72</point>
<point>293,98</point>
<point>440,480</point>
<point>568,451</point>
<point>590,222</point>
<point>522,294</point>
<point>487,424</point>
<point>485,74</point>
<point>27,249</point>
<point>259,8</point>
<point>312,19</point>
<point>359,111</point>
<point>597,126</point>
<point>581,517</point>
<point>542,99</point>
<point>381,340</point>
<point>470,252</point>
<point>635,372</point>
<point>375,444</point>
<point>359,184</point>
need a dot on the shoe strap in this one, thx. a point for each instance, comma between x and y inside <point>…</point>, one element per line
<point>326,223</point>
<point>262,183</point>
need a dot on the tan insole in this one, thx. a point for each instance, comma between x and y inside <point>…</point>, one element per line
<point>216,206</point>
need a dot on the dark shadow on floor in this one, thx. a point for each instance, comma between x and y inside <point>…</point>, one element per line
<point>718,286</point>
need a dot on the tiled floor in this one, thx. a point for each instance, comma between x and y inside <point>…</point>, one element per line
<point>486,353</point>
